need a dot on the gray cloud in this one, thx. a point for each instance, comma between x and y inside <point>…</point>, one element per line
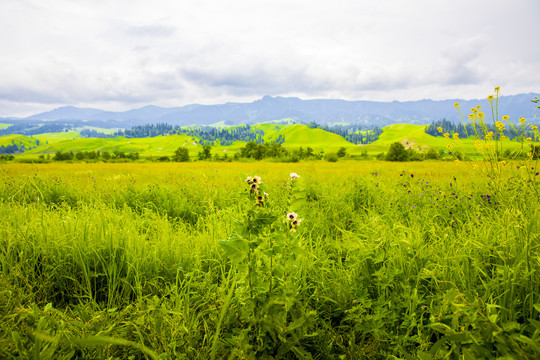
<point>126,53</point>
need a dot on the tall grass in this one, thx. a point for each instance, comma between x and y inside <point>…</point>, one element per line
<point>122,261</point>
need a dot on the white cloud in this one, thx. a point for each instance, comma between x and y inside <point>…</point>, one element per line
<point>121,54</point>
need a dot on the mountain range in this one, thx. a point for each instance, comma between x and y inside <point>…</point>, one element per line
<point>322,111</point>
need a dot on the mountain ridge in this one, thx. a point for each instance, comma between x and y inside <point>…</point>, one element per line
<point>268,108</point>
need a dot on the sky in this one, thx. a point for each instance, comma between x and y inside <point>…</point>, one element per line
<point>122,54</point>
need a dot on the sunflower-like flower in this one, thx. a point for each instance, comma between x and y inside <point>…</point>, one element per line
<point>439,129</point>
<point>478,107</point>
<point>257,179</point>
<point>456,105</point>
<point>456,136</point>
<point>446,135</point>
<point>497,89</point>
<point>491,98</point>
<point>534,127</point>
<point>481,115</point>
<point>294,224</point>
<point>522,120</point>
<point>292,216</point>
<point>528,139</point>
<point>506,118</point>
<point>472,117</point>
<point>474,110</point>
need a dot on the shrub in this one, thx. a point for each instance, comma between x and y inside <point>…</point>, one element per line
<point>331,157</point>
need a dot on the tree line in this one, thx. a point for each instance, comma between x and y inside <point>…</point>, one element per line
<point>451,128</point>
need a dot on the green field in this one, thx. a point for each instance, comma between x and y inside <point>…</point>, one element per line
<point>295,135</point>
<point>4,126</point>
<point>428,260</point>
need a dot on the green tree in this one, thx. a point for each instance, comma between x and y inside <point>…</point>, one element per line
<point>396,152</point>
<point>341,152</point>
<point>206,152</point>
<point>181,154</point>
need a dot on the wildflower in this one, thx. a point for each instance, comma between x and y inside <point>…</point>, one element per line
<point>456,105</point>
<point>473,110</point>
<point>446,135</point>
<point>478,107</point>
<point>499,125</point>
<point>291,216</point>
<point>265,195</point>
<point>294,176</point>
<point>472,117</point>
<point>439,129</point>
<point>491,98</point>
<point>534,127</point>
<point>456,136</point>
<point>506,118</point>
<point>481,115</point>
<point>449,147</point>
<point>522,120</point>
<point>254,187</point>
<point>497,89</point>
<point>478,144</point>
<point>248,180</point>
<point>257,179</point>
<point>528,139</point>
<point>489,135</point>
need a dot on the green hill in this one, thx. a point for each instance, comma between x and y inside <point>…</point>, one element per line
<point>298,135</point>
<point>295,135</point>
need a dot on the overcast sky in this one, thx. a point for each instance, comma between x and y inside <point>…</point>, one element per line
<point>123,54</point>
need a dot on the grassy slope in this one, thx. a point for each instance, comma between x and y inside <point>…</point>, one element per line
<point>301,135</point>
<point>296,135</point>
<point>3,126</point>
<point>159,145</point>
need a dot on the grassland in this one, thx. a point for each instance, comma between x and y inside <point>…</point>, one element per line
<point>4,126</point>
<point>295,135</point>
<point>425,260</point>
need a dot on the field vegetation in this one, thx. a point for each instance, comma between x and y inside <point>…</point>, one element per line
<point>175,260</point>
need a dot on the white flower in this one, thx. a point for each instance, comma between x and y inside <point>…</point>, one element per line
<point>294,176</point>
<point>291,216</point>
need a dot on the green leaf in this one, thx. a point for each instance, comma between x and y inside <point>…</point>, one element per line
<point>235,247</point>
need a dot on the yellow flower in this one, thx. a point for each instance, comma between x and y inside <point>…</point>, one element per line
<point>439,129</point>
<point>528,139</point>
<point>446,135</point>
<point>478,144</point>
<point>534,127</point>
<point>522,120</point>
<point>472,117</point>
<point>473,110</point>
<point>478,107</point>
<point>497,89</point>
<point>499,125</point>
<point>481,115</point>
<point>506,118</point>
<point>456,136</point>
<point>456,105</point>
<point>503,137</point>
<point>449,147</point>
<point>491,98</point>
<point>529,154</point>
<point>489,135</point>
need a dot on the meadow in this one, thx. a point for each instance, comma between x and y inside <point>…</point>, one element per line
<point>429,260</point>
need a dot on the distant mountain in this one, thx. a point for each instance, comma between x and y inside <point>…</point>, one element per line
<point>324,111</point>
